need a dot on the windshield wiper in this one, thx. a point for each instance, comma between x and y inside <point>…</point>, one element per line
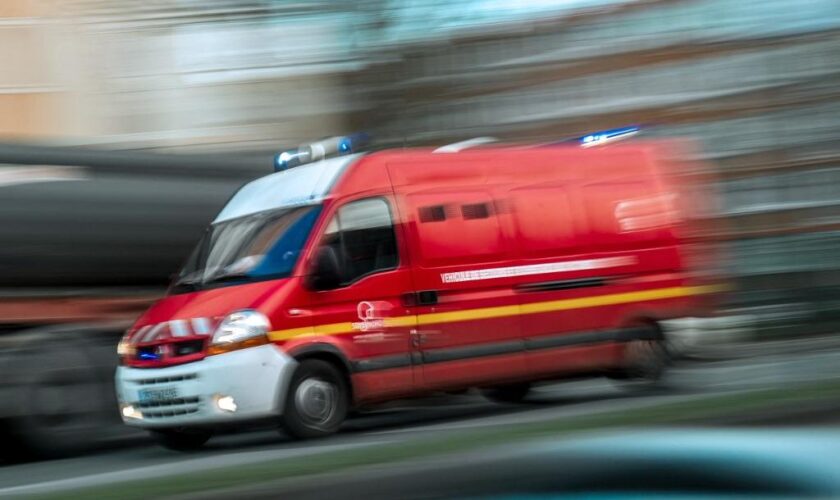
<point>198,284</point>
<point>186,285</point>
<point>226,277</point>
<point>189,282</point>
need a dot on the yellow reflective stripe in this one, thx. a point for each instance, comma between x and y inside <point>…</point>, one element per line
<point>613,299</point>
<point>469,314</point>
<point>328,329</point>
<point>290,333</point>
<point>400,321</point>
<point>332,328</point>
<point>505,311</point>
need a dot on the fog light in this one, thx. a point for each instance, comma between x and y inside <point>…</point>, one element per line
<point>226,403</point>
<point>129,411</point>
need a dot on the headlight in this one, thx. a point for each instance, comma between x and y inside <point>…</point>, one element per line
<point>125,349</point>
<point>240,330</point>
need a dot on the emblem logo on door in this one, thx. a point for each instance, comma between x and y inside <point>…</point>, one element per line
<point>370,316</point>
<point>366,311</point>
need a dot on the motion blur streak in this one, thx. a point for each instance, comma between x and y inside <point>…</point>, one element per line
<point>24,175</point>
<point>125,126</point>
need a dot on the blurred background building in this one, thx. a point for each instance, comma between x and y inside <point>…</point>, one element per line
<point>175,74</point>
<point>753,81</point>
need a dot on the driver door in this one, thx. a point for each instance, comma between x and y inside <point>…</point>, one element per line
<point>364,314</point>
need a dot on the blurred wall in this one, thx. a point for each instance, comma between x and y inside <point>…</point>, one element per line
<point>753,81</point>
<point>210,75</point>
<point>37,98</point>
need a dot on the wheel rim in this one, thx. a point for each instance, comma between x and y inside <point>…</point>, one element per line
<point>316,400</point>
<point>646,357</point>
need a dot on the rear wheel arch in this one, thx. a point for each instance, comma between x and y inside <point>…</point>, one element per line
<point>646,320</point>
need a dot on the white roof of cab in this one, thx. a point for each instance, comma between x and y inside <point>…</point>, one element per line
<point>295,186</point>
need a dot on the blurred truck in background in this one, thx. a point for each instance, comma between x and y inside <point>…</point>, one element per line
<point>89,239</point>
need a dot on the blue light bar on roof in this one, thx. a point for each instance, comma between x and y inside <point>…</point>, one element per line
<point>607,136</point>
<point>319,150</point>
<point>354,142</point>
<point>289,159</point>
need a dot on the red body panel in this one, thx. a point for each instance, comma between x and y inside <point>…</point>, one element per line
<point>527,258</point>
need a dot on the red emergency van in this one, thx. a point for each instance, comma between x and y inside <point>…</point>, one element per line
<point>369,277</point>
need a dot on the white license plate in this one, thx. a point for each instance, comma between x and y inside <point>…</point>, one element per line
<point>154,395</point>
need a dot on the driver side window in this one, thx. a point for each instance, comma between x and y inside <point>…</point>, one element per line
<point>362,236</point>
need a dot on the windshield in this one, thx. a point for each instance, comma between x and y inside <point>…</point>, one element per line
<point>255,247</point>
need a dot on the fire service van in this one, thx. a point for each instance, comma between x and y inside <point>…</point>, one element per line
<point>348,279</point>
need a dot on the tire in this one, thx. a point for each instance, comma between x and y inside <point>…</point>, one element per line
<point>65,405</point>
<point>513,393</point>
<point>317,401</point>
<point>646,362</point>
<point>182,439</point>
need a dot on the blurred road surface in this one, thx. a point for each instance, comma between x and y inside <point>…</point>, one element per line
<point>689,380</point>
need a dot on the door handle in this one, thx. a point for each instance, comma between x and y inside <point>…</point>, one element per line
<point>421,298</point>
<point>419,337</point>
<point>427,297</point>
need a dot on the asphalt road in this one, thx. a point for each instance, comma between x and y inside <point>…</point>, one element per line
<point>688,380</point>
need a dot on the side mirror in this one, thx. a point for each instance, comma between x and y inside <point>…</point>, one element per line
<point>325,273</point>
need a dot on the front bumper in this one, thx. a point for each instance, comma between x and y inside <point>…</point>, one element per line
<point>255,378</point>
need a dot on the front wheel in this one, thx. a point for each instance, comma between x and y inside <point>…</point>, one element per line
<point>317,401</point>
<point>182,439</point>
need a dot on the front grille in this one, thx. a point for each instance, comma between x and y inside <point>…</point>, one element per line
<point>165,380</point>
<point>174,412</point>
<point>169,407</point>
<point>174,350</point>
<point>168,402</point>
